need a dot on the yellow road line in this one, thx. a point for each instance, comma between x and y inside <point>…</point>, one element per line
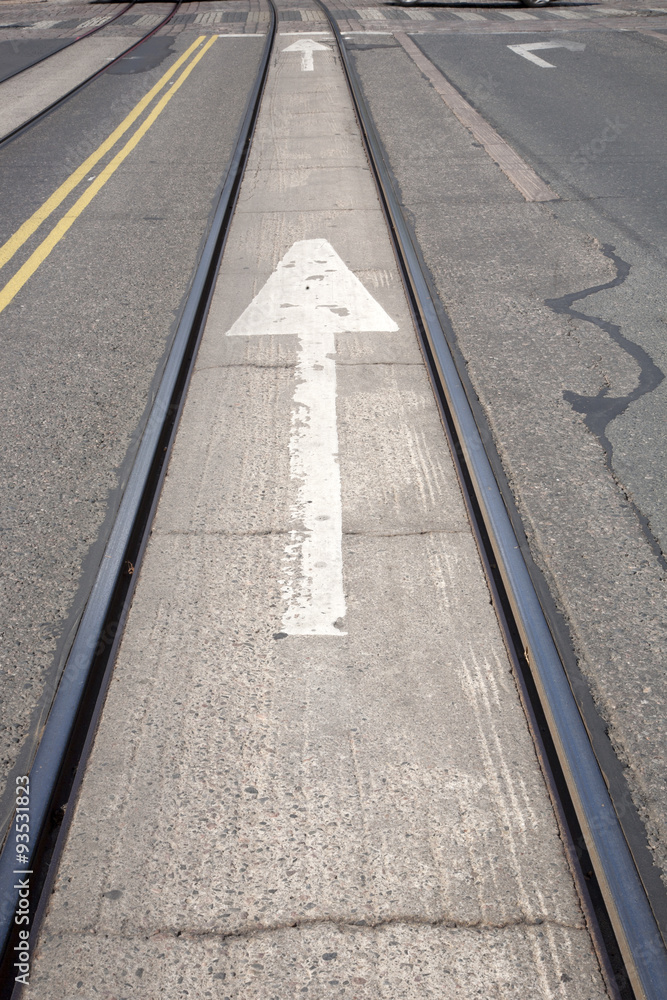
<point>24,233</point>
<point>46,246</point>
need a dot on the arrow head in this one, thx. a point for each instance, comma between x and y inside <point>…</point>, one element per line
<point>306,45</point>
<point>312,291</point>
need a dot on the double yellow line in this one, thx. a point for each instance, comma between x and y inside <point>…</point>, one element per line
<point>30,226</point>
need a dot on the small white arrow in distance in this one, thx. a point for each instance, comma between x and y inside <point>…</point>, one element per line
<point>306,46</point>
<point>313,295</point>
<point>527,51</point>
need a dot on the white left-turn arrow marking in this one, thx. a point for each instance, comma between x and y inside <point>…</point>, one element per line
<point>314,295</point>
<point>527,51</point>
<point>306,46</point>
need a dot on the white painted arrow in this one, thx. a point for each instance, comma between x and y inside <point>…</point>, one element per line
<point>527,50</point>
<point>313,295</point>
<point>306,46</point>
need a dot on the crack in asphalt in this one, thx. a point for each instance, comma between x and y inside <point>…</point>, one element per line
<point>223,532</point>
<point>464,529</point>
<point>342,924</point>
<point>380,364</point>
<point>601,409</point>
<point>289,365</point>
<point>281,532</point>
<point>448,923</point>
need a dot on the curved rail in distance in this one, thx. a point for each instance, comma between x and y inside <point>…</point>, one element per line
<point>72,41</point>
<point>93,76</point>
<point>628,906</point>
<point>68,734</point>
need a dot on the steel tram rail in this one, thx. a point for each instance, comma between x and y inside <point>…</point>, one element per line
<point>634,924</point>
<point>70,727</point>
<point>20,129</point>
<point>72,41</point>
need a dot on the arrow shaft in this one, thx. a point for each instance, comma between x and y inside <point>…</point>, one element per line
<point>307,61</point>
<point>528,49</point>
<point>313,295</point>
<point>572,46</point>
<point>314,559</point>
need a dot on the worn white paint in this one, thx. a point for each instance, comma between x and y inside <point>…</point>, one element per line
<point>306,46</point>
<point>313,295</point>
<point>529,48</point>
<point>313,587</point>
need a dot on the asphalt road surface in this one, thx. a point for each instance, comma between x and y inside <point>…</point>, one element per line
<point>559,312</point>
<point>15,56</point>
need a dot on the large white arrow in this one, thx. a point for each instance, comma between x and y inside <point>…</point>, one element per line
<point>527,51</point>
<point>313,295</point>
<point>306,46</point>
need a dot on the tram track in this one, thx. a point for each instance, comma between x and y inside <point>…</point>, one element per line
<point>72,719</point>
<point>38,116</point>
<point>527,632</point>
<point>579,794</point>
<point>73,41</point>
